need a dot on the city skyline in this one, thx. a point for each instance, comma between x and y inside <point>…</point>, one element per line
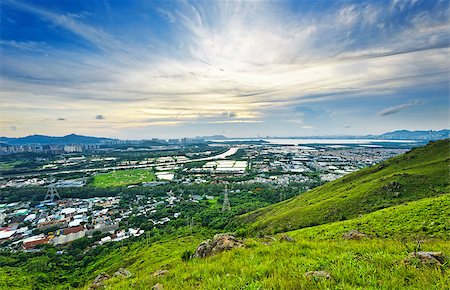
<point>172,69</point>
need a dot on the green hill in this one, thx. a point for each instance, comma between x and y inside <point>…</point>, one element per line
<point>371,264</point>
<point>423,219</point>
<point>422,172</point>
<point>375,262</point>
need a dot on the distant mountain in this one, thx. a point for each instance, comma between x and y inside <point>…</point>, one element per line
<point>430,135</point>
<point>416,135</point>
<point>213,137</point>
<point>42,139</point>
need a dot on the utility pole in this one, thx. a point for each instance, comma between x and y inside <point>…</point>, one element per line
<point>226,202</point>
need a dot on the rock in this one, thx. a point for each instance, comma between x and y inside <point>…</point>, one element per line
<point>157,286</point>
<point>317,275</point>
<point>123,273</point>
<point>220,243</point>
<point>354,235</point>
<point>203,250</point>
<point>286,238</point>
<point>98,281</point>
<point>427,258</point>
<point>268,240</point>
<point>160,273</point>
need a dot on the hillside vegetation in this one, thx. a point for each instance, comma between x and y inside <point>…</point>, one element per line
<point>371,264</point>
<point>375,262</point>
<point>422,172</point>
<point>423,219</point>
<point>401,206</point>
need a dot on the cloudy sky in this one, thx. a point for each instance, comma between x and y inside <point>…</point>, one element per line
<point>143,69</point>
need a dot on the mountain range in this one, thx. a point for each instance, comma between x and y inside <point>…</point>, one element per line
<point>79,139</point>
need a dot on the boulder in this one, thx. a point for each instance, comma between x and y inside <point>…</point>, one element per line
<point>160,273</point>
<point>317,275</point>
<point>122,273</point>
<point>98,281</point>
<point>426,258</point>
<point>157,286</point>
<point>220,243</point>
<point>203,250</point>
<point>354,235</point>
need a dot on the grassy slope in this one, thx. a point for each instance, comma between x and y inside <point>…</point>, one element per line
<point>422,172</point>
<point>353,265</point>
<point>139,257</point>
<point>123,177</point>
<point>422,219</point>
<point>372,263</point>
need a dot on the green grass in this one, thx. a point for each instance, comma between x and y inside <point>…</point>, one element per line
<point>369,264</point>
<point>423,219</point>
<point>422,172</point>
<point>123,178</point>
<point>375,262</point>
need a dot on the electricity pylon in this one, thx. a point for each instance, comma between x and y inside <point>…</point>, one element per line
<point>51,194</point>
<point>226,202</point>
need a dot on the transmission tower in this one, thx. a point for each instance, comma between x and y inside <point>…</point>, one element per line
<point>226,202</point>
<point>51,194</point>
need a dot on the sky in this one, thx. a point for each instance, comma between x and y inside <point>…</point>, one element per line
<point>145,69</point>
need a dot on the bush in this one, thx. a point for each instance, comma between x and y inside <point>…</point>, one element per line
<point>187,255</point>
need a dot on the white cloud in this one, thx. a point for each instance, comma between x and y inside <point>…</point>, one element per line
<point>395,109</point>
<point>241,58</point>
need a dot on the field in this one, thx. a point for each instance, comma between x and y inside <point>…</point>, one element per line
<point>123,178</point>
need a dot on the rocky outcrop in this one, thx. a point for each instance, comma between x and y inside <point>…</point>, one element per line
<point>316,275</point>
<point>426,258</point>
<point>353,235</point>
<point>98,281</point>
<point>122,273</point>
<point>220,243</point>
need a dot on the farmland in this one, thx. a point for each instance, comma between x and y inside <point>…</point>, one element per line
<point>123,178</point>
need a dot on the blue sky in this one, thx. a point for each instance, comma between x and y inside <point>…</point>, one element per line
<point>143,69</point>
